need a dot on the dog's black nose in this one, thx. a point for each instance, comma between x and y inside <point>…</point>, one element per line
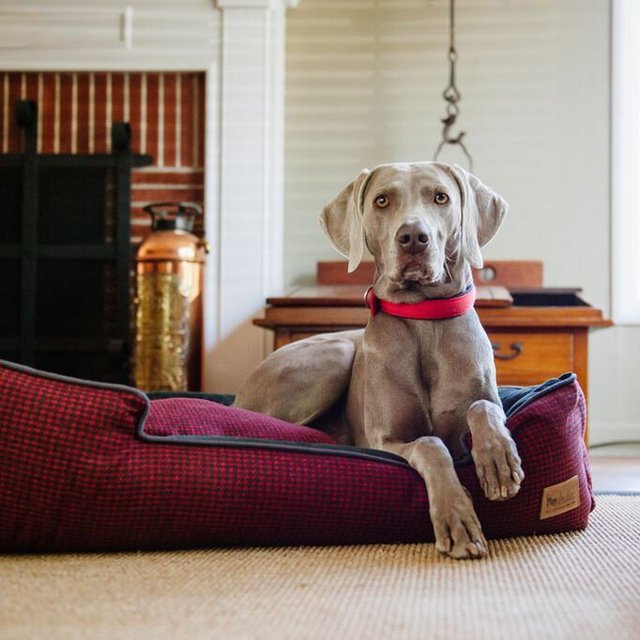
<point>412,238</point>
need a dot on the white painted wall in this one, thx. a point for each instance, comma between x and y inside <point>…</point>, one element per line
<point>364,83</point>
<point>248,231</point>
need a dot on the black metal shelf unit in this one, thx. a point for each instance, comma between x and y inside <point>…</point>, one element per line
<point>66,256</point>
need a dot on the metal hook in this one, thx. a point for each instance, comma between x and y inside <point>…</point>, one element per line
<point>452,96</point>
<point>449,138</point>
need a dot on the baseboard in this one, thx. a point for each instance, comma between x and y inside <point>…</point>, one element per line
<point>616,493</point>
<point>600,432</point>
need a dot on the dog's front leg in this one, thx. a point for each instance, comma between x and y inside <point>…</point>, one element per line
<point>456,526</point>
<point>386,410</point>
<point>494,453</point>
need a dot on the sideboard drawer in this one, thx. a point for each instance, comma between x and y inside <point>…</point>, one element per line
<point>526,358</point>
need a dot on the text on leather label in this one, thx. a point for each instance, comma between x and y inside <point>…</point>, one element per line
<point>560,498</point>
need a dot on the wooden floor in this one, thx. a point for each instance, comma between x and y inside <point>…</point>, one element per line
<point>616,469</point>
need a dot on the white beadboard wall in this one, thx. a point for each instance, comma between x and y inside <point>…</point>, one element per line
<point>364,85</point>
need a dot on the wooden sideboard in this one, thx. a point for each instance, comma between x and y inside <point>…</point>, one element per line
<point>537,333</point>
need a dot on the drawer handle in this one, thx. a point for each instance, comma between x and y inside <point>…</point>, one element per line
<point>515,347</point>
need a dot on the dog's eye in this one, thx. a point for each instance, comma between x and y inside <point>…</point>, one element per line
<point>441,198</point>
<point>382,201</point>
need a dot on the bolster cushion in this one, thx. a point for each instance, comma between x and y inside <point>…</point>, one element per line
<point>86,466</point>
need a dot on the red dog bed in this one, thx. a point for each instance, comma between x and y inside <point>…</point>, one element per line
<point>87,466</point>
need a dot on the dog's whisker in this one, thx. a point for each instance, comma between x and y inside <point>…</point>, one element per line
<point>447,270</point>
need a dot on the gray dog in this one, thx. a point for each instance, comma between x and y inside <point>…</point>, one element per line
<point>421,374</point>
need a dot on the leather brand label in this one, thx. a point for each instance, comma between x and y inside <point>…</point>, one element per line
<point>560,498</point>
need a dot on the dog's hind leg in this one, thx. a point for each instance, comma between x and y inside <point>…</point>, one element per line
<point>302,380</point>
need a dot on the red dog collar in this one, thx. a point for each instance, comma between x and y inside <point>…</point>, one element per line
<point>437,309</point>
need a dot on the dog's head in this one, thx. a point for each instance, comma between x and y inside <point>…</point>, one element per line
<point>423,222</point>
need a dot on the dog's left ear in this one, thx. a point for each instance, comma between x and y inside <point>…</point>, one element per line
<point>342,220</point>
<point>482,213</point>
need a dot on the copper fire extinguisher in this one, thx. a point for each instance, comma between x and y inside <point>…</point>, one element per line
<point>169,276</point>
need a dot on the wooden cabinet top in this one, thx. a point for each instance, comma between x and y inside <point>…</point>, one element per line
<point>497,306</point>
<point>352,295</point>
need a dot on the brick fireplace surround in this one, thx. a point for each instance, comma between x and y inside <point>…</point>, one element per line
<point>165,111</point>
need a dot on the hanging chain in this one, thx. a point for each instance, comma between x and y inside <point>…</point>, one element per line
<point>452,96</point>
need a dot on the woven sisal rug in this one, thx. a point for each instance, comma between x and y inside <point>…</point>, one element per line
<point>576,586</point>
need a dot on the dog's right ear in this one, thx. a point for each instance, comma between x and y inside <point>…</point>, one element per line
<point>342,220</point>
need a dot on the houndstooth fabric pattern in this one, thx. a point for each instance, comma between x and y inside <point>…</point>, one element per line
<point>76,476</point>
<point>195,417</point>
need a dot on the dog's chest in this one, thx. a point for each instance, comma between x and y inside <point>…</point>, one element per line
<point>436,362</point>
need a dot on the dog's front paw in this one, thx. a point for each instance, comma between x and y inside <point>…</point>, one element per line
<point>457,528</point>
<point>498,465</point>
